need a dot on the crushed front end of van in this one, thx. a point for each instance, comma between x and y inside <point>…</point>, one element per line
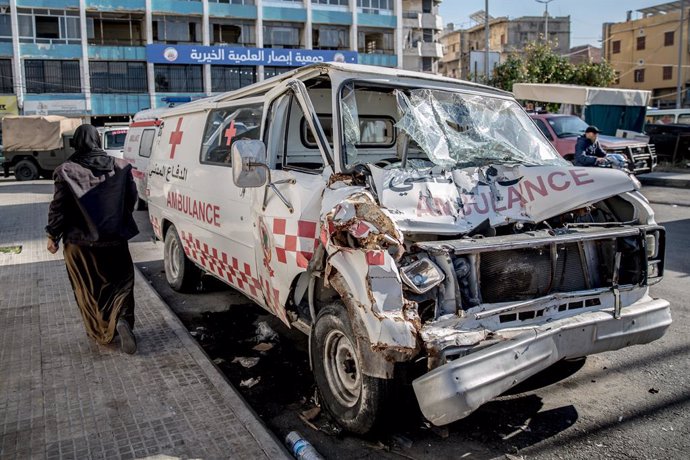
<point>490,259</point>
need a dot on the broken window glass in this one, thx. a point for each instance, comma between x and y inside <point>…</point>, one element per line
<point>456,129</point>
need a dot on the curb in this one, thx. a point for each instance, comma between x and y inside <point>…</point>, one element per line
<point>663,182</point>
<point>264,438</point>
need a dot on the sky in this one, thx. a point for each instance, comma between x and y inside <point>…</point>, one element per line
<point>586,16</point>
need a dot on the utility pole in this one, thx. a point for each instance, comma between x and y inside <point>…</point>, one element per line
<point>486,40</point>
<point>546,18</point>
<point>679,83</point>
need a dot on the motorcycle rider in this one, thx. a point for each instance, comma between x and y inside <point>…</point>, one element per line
<point>588,151</point>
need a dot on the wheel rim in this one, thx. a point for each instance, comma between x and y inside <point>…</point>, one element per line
<point>342,368</point>
<point>25,172</point>
<point>172,261</point>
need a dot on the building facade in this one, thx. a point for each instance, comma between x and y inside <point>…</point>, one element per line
<point>463,53</point>
<point>108,59</point>
<point>644,53</point>
<point>422,28</point>
<point>584,54</point>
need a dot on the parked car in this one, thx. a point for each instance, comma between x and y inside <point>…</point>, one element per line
<point>411,225</point>
<point>563,130</point>
<point>672,141</point>
<point>668,116</point>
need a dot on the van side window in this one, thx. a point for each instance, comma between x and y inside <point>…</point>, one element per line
<point>146,142</point>
<point>375,131</point>
<point>225,126</point>
<point>297,154</point>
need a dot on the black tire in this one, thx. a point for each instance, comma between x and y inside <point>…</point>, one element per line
<point>180,272</point>
<point>357,402</point>
<point>26,170</point>
<point>142,205</point>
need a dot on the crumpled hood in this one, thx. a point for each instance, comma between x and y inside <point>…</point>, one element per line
<point>458,201</point>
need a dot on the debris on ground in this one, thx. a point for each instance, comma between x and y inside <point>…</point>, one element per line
<point>218,361</point>
<point>402,441</point>
<point>264,333</point>
<point>200,333</point>
<point>311,414</point>
<point>263,347</point>
<point>246,362</point>
<point>250,382</point>
<point>653,391</point>
<point>514,457</point>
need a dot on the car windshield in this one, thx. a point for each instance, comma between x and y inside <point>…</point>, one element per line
<point>567,126</point>
<point>115,139</point>
<point>445,128</point>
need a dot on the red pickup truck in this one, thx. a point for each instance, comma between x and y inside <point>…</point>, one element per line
<point>563,130</point>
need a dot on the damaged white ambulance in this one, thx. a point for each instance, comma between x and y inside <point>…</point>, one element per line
<point>401,219</point>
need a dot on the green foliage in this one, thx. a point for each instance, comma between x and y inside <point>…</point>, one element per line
<point>539,64</point>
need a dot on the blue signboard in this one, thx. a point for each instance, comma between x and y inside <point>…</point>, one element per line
<point>231,55</point>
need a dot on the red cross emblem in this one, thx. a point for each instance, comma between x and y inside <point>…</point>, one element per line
<point>230,132</point>
<point>176,138</point>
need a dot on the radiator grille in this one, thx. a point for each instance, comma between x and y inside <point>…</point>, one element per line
<point>525,274</point>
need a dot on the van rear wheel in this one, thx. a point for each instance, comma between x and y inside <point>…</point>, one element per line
<point>356,401</point>
<point>25,170</point>
<point>180,272</point>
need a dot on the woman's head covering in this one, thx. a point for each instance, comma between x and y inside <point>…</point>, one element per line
<point>88,151</point>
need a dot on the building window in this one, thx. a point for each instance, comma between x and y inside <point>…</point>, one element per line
<point>271,71</point>
<point>641,42</point>
<point>616,46</point>
<point>330,38</point>
<point>427,35</point>
<point>639,76</point>
<point>174,30</point>
<point>377,42</point>
<point>667,72</point>
<point>48,26</point>
<point>617,78</point>
<point>6,80</point>
<point>171,78</point>
<point>115,29</point>
<point>376,6</point>
<point>668,38</point>
<point>52,76</point>
<point>228,78</point>
<point>233,32</point>
<point>427,6</point>
<point>282,35</point>
<point>5,28</point>
<point>427,64</point>
<point>233,2</point>
<point>331,2</point>
<point>118,77</point>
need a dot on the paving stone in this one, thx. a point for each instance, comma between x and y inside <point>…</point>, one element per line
<point>63,396</point>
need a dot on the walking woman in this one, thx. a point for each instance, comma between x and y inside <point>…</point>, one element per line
<point>91,213</point>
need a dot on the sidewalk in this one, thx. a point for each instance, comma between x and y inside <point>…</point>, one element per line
<point>63,396</point>
<point>666,179</point>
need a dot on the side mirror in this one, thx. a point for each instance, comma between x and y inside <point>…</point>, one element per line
<point>249,167</point>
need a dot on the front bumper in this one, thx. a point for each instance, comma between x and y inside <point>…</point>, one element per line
<point>454,390</point>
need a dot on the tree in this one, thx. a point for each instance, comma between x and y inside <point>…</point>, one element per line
<point>539,64</point>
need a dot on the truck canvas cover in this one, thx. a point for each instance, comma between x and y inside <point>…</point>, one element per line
<point>39,133</point>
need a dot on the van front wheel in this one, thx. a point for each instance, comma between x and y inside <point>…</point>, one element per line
<point>356,401</point>
<point>180,272</point>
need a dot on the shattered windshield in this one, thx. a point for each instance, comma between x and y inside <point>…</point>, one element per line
<point>446,128</point>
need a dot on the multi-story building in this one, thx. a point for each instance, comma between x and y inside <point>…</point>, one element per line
<point>108,59</point>
<point>506,36</point>
<point>644,53</point>
<point>422,27</point>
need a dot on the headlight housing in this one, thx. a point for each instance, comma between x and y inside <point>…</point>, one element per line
<point>422,275</point>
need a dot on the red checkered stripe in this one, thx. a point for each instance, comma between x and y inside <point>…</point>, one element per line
<point>238,275</point>
<point>295,238</point>
<point>273,300</point>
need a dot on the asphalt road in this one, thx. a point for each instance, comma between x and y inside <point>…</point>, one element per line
<point>631,403</point>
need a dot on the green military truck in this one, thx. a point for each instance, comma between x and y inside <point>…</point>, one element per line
<point>33,146</point>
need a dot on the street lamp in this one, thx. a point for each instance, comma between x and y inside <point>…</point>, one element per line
<point>546,20</point>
